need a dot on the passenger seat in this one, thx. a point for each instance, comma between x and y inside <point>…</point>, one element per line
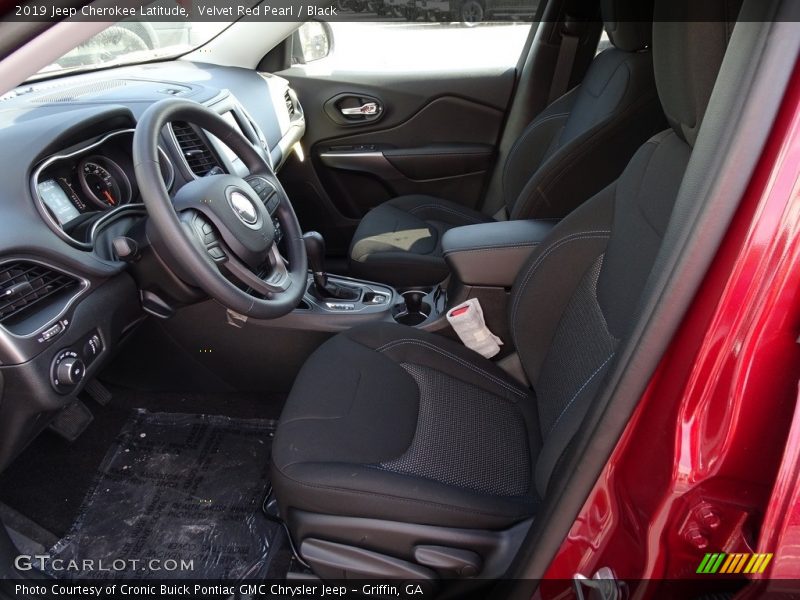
<point>570,151</point>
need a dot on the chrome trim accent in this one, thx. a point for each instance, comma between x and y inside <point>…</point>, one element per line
<point>244,208</point>
<point>171,180</point>
<point>114,167</point>
<point>350,154</point>
<point>113,215</point>
<point>52,222</point>
<point>370,108</point>
<point>84,287</point>
<point>367,286</point>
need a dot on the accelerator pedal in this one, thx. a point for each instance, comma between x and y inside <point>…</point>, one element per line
<point>98,392</point>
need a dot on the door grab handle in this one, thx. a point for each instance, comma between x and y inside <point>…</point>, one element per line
<point>370,108</point>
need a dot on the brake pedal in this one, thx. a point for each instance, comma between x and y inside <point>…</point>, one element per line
<point>72,421</point>
<point>98,392</point>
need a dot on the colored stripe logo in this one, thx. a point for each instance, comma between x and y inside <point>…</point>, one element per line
<point>720,562</point>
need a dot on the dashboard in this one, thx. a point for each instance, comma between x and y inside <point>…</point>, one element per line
<point>87,184</point>
<point>68,192</point>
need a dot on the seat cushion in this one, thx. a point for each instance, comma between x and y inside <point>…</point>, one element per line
<point>400,242</point>
<point>386,421</point>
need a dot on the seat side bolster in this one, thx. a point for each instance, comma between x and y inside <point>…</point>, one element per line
<point>546,283</point>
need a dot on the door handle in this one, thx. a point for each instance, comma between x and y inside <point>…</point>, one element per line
<point>369,108</point>
<point>353,109</point>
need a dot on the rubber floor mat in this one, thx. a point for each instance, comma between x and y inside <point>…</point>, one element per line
<point>177,496</point>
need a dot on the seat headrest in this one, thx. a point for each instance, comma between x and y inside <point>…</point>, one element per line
<point>628,23</point>
<point>689,43</point>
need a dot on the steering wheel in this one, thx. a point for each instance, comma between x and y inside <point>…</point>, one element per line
<point>219,227</point>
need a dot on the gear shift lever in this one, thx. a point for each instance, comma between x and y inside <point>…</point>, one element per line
<point>315,249</point>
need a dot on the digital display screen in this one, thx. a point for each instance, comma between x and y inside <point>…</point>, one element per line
<point>57,201</point>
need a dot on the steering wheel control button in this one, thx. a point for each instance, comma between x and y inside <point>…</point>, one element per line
<point>217,253</point>
<point>265,190</point>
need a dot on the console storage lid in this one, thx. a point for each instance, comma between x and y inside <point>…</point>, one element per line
<point>491,254</point>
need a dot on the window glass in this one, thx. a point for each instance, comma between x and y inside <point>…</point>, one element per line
<point>429,46</point>
<point>129,42</point>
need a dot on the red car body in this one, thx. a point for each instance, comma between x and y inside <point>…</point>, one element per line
<point>711,460</point>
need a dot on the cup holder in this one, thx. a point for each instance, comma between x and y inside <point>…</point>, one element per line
<point>414,310</point>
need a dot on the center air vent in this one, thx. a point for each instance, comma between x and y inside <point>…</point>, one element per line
<point>289,103</point>
<point>196,152</point>
<point>25,285</point>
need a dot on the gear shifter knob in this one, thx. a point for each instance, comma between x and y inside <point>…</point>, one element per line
<point>315,249</point>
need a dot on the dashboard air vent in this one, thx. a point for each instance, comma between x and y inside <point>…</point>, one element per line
<point>289,103</point>
<point>196,152</point>
<point>24,285</point>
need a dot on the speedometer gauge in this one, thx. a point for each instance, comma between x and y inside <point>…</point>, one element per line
<point>104,182</point>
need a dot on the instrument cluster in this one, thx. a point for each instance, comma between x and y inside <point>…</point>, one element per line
<point>80,186</point>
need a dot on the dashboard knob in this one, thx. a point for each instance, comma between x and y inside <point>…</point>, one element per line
<point>70,371</point>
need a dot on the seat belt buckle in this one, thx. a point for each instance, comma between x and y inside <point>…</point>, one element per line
<point>467,321</point>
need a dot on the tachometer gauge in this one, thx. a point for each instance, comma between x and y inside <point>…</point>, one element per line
<point>104,182</point>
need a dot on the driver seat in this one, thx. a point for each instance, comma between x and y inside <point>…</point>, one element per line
<point>402,454</point>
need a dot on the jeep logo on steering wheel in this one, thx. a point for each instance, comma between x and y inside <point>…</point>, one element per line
<point>243,207</point>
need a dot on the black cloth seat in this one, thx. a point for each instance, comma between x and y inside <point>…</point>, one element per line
<point>393,424</point>
<point>571,150</point>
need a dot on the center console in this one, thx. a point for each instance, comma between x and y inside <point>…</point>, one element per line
<point>333,303</point>
<point>484,261</point>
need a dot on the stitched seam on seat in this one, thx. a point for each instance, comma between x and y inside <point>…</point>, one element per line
<point>623,64</point>
<point>399,498</point>
<point>595,138</point>
<point>580,389</point>
<point>454,358</point>
<point>446,209</point>
<point>488,248</point>
<point>342,416</point>
<point>584,235</point>
<point>527,131</point>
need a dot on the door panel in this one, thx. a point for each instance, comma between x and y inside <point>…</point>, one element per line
<point>432,133</point>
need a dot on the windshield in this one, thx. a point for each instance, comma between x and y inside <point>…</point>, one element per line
<point>128,42</point>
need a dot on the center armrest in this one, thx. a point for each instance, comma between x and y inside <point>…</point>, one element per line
<point>491,254</point>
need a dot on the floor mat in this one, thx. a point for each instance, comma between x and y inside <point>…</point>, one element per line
<point>177,487</point>
<point>50,479</point>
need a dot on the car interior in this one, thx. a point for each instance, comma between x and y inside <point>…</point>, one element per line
<point>228,282</point>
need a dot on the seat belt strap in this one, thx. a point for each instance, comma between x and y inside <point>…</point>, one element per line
<point>566,59</point>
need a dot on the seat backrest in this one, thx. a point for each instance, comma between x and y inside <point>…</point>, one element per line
<point>576,300</point>
<point>583,140</point>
